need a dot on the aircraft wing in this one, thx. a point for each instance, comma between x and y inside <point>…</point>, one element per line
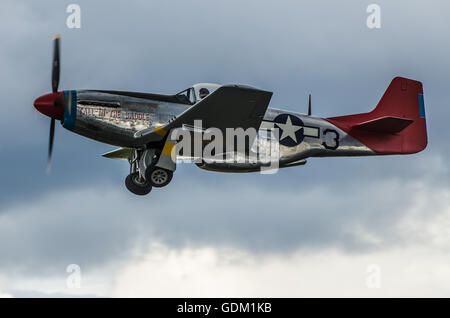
<point>120,154</point>
<point>229,106</point>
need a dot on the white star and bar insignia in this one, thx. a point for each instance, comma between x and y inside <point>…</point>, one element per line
<point>291,128</point>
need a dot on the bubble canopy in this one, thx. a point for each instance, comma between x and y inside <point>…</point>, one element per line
<point>197,92</point>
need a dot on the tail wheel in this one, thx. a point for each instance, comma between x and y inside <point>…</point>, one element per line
<point>137,185</point>
<point>158,177</point>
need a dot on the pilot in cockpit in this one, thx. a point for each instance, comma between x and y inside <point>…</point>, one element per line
<point>203,93</point>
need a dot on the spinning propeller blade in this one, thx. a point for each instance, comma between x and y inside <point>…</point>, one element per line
<point>55,65</point>
<point>50,144</point>
<point>309,105</point>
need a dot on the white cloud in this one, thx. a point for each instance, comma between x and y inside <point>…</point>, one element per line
<point>211,272</point>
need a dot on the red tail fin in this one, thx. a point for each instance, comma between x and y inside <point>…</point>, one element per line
<point>396,126</point>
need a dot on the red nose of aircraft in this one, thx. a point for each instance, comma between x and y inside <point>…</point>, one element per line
<point>51,105</point>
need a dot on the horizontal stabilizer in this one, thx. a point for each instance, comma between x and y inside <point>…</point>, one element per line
<point>386,124</point>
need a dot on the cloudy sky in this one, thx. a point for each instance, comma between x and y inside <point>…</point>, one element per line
<point>324,229</point>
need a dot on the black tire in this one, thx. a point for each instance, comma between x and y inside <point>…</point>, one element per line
<point>136,186</point>
<point>158,177</point>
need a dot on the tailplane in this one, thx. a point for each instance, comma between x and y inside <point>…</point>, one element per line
<point>397,124</point>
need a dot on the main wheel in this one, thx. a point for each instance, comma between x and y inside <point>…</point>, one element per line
<point>137,185</point>
<point>158,177</point>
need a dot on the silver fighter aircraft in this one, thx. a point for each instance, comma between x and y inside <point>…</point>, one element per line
<point>141,124</point>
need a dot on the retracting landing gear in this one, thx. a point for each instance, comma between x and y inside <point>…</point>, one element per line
<point>135,181</point>
<point>158,177</point>
<point>137,185</point>
<point>146,172</point>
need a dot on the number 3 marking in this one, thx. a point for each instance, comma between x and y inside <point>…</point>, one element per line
<point>336,139</point>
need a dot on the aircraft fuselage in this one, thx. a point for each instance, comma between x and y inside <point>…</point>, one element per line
<point>114,117</point>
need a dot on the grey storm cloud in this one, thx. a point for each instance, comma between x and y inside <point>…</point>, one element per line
<point>94,225</point>
<point>82,213</point>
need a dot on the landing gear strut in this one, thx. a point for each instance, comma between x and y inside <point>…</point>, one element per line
<point>135,181</point>
<point>144,172</point>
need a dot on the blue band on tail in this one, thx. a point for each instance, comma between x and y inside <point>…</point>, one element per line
<point>421,106</point>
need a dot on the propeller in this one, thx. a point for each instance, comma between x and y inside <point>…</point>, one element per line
<point>309,105</point>
<point>55,66</point>
<point>55,84</point>
<point>52,104</point>
<point>50,144</point>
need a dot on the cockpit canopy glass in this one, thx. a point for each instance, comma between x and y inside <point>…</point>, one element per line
<point>196,93</point>
<point>203,90</point>
<point>186,96</point>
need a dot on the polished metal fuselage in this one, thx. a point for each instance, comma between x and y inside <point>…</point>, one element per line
<point>115,118</point>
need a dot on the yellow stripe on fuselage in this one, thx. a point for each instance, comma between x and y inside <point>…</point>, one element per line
<point>167,150</point>
<point>159,131</point>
